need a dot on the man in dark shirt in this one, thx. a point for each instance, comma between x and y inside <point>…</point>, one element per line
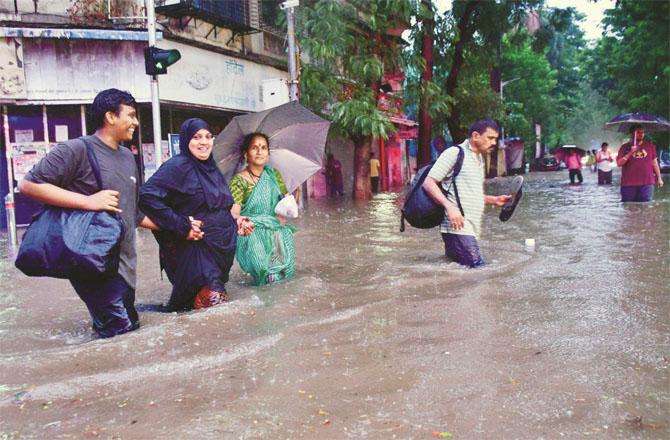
<point>639,168</point>
<point>64,178</point>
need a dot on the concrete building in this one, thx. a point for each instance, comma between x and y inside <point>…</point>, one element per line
<point>56,55</point>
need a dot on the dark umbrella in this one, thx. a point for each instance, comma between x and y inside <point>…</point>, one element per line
<point>297,142</point>
<point>575,147</point>
<point>623,123</point>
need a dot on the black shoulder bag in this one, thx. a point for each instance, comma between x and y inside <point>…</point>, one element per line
<point>72,243</point>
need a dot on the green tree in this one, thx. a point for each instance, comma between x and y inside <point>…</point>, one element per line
<point>528,100</point>
<point>349,47</point>
<point>630,64</point>
<point>473,29</point>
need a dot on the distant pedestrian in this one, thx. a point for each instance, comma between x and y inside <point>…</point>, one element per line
<point>639,168</point>
<point>604,159</point>
<point>64,178</point>
<point>572,157</point>
<point>461,230</point>
<point>591,161</point>
<point>188,198</point>
<point>374,173</point>
<point>334,176</point>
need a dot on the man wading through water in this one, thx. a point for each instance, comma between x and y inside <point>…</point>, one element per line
<point>460,232</point>
<point>64,178</point>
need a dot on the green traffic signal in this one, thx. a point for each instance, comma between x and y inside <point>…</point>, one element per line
<point>156,61</point>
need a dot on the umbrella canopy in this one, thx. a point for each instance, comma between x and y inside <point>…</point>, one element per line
<point>297,142</point>
<point>649,122</point>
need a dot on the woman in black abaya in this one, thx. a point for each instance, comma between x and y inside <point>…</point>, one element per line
<point>189,200</point>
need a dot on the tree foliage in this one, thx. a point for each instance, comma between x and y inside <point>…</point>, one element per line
<point>349,46</point>
<point>529,99</point>
<point>348,50</point>
<point>630,64</point>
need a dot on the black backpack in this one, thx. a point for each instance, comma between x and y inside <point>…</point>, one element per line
<point>419,209</point>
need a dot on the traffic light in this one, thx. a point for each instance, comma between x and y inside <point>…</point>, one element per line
<point>156,61</point>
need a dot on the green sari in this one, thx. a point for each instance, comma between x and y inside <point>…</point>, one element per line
<point>268,254</point>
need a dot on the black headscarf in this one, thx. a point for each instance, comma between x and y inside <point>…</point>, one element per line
<point>213,184</point>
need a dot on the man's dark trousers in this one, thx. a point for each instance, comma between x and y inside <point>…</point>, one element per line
<point>111,303</point>
<point>375,184</point>
<point>577,174</point>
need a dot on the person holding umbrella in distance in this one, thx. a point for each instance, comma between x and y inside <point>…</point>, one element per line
<point>639,168</point>
<point>637,158</point>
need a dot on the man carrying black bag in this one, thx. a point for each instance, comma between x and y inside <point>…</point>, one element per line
<point>462,224</point>
<point>65,178</point>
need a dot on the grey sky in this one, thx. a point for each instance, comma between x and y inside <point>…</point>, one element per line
<point>593,11</point>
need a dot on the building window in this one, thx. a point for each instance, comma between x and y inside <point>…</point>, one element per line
<point>63,122</point>
<point>26,124</point>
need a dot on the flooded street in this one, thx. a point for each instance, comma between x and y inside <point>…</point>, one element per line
<point>376,337</point>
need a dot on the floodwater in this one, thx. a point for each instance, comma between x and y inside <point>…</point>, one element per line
<point>377,336</point>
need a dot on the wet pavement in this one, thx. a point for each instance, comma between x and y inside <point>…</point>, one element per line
<point>376,337</point>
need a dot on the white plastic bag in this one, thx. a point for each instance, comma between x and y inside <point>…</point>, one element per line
<point>287,207</point>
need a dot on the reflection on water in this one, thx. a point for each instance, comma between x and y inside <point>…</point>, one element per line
<point>377,336</point>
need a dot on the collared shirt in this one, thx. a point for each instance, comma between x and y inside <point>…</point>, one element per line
<point>470,182</point>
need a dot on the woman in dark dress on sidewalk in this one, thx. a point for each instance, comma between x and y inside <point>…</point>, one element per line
<point>188,198</point>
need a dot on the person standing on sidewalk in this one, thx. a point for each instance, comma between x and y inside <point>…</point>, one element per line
<point>460,231</point>
<point>64,178</point>
<point>374,173</point>
<point>604,161</point>
<point>639,168</point>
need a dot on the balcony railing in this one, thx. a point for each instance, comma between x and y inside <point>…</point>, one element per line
<point>232,14</point>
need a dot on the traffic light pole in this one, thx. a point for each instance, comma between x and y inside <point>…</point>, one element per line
<point>155,104</point>
<point>292,68</point>
<point>289,6</point>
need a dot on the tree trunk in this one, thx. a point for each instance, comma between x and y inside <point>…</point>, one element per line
<point>425,121</point>
<point>493,167</point>
<point>362,168</point>
<point>465,31</point>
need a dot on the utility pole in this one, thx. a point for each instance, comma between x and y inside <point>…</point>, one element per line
<point>10,211</point>
<point>155,104</point>
<point>292,65</point>
<point>425,121</point>
<point>290,6</point>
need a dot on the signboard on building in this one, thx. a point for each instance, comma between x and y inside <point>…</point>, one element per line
<point>149,159</point>
<point>173,141</point>
<point>76,70</point>
<point>215,80</point>
<point>12,75</point>
<point>25,155</point>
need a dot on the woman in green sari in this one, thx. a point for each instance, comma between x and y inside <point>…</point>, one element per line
<point>268,253</point>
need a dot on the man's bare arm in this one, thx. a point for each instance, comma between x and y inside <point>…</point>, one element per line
<point>657,172</point>
<point>105,200</point>
<point>453,213</point>
<point>147,223</point>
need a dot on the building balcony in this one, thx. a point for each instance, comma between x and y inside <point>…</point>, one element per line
<point>230,14</point>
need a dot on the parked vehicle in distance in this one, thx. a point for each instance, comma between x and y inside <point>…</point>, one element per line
<point>546,163</point>
<point>664,161</point>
